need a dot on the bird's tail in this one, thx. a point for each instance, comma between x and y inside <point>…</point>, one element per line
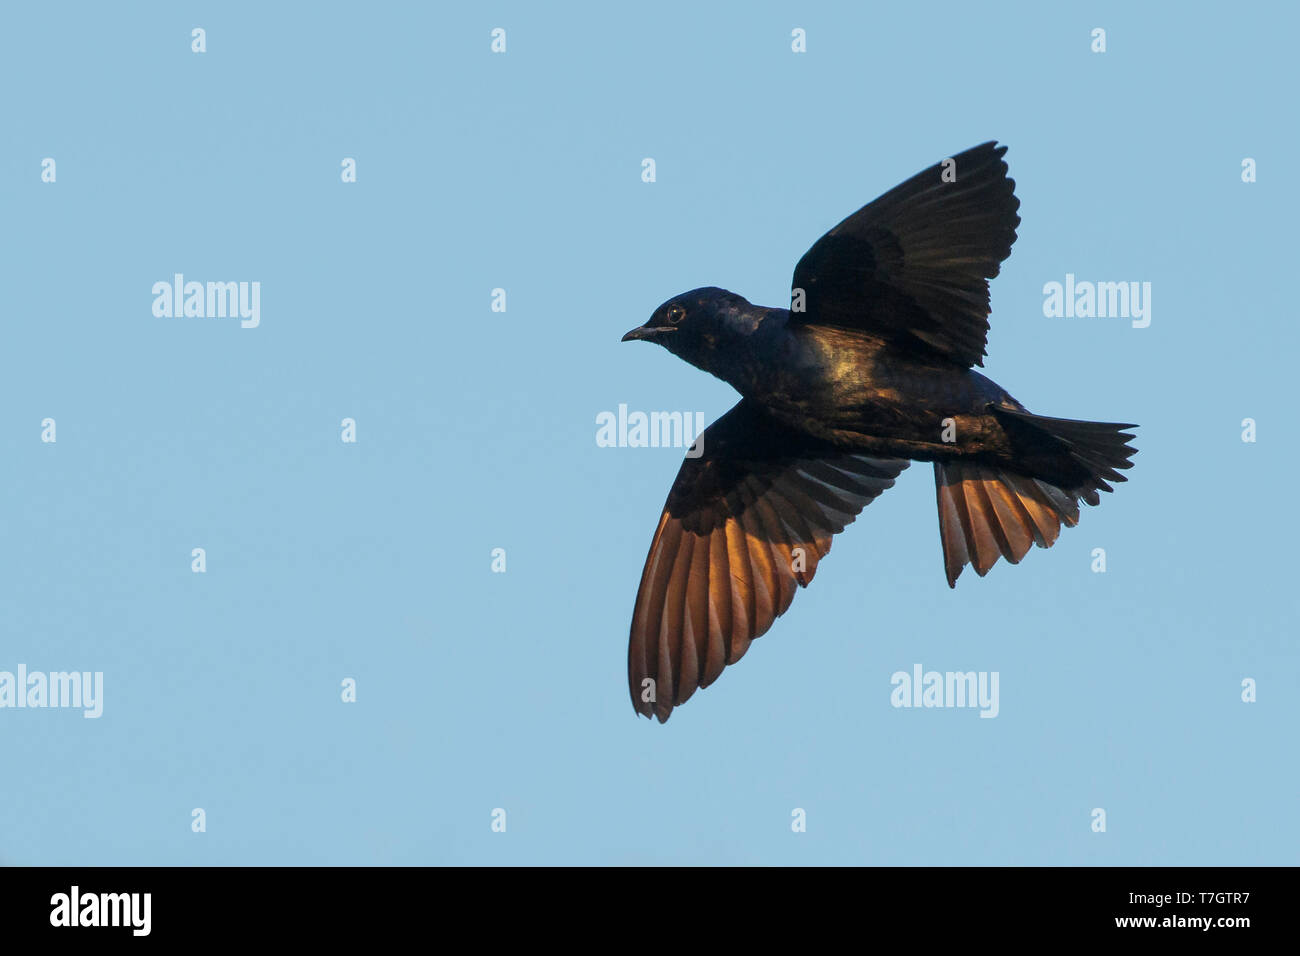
<point>991,510</point>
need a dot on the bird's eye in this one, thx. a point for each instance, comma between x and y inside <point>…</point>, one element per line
<point>676,313</point>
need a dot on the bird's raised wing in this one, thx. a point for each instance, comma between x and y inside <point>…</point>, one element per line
<point>744,524</point>
<point>913,266</point>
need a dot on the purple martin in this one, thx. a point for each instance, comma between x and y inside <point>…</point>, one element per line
<point>868,369</point>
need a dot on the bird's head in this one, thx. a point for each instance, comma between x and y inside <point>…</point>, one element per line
<point>699,324</point>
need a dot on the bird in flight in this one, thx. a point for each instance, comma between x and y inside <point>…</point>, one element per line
<point>869,368</point>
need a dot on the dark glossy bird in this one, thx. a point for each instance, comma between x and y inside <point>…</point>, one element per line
<point>869,368</point>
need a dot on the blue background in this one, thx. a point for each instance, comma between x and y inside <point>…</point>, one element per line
<point>477,430</point>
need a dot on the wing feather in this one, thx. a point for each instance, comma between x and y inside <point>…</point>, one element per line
<point>723,565</point>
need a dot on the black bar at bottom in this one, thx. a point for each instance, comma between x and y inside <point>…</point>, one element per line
<point>337,904</point>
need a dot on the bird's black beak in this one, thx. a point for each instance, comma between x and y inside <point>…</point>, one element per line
<point>650,332</point>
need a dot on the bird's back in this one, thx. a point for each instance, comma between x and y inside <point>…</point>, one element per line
<point>854,389</point>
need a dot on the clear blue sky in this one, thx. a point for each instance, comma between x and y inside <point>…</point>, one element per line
<point>476,430</point>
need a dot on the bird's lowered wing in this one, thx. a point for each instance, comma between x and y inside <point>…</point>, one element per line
<point>744,524</point>
<point>913,266</point>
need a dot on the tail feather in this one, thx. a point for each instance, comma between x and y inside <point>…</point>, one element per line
<point>988,510</point>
